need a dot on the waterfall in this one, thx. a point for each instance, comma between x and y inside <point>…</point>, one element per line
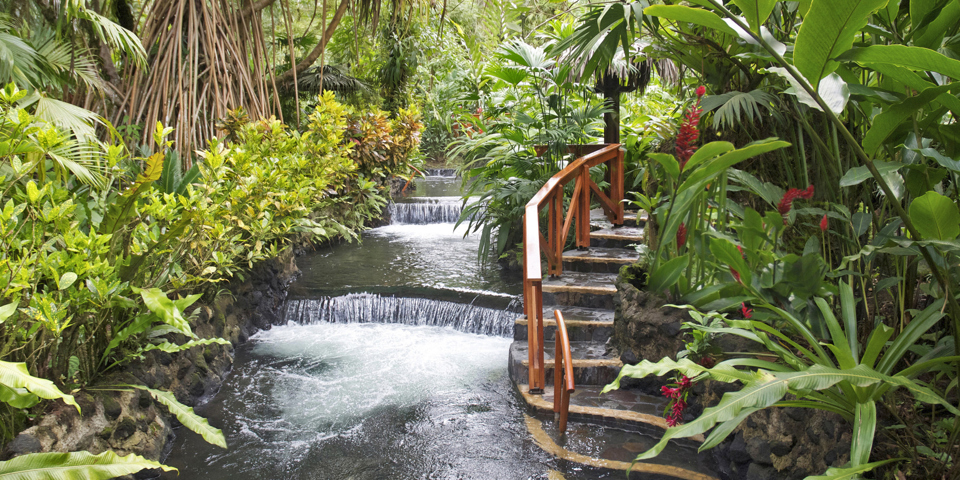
<point>440,172</point>
<point>425,210</point>
<point>372,308</point>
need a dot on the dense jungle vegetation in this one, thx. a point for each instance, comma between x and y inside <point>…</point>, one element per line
<point>798,162</point>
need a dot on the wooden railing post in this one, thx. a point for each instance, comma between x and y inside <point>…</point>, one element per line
<point>583,206</point>
<point>562,372</point>
<point>616,186</point>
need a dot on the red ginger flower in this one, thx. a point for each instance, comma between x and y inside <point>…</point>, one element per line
<point>786,203</point>
<point>681,236</point>
<point>823,223</point>
<point>687,138</point>
<point>747,312</point>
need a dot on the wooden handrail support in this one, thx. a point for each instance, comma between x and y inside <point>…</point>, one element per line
<point>562,372</point>
<point>551,195</point>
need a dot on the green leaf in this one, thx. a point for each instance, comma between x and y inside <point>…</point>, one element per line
<point>66,280</point>
<point>15,375</point>
<point>756,11</point>
<point>707,152</point>
<point>828,29</point>
<point>864,428</point>
<point>669,163</point>
<point>683,13</point>
<point>935,216</point>
<point>850,473</point>
<point>75,465</point>
<point>187,417</point>
<point>893,116</point>
<point>728,253</point>
<point>33,194</point>
<point>156,300</point>
<point>667,274</point>
<point>174,348</point>
<point>914,58</point>
<point>7,311</point>
<point>18,397</point>
<point>858,175</point>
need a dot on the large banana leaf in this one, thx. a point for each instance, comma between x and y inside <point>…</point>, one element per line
<point>16,375</point>
<point>767,388</point>
<point>75,466</point>
<point>828,30</point>
<point>187,417</point>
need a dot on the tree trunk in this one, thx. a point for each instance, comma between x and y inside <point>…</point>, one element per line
<point>611,119</point>
<point>288,76</point>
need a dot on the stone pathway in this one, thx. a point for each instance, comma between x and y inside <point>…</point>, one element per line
<point>606,431</point>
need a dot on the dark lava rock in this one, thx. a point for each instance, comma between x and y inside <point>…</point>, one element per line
<point>126,428</point>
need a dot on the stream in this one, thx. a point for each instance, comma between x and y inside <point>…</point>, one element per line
<point>392,365</point>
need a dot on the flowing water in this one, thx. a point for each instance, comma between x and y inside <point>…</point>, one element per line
<point>392,365</point>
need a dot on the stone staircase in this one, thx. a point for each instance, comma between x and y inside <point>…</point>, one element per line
<point>584,294</point>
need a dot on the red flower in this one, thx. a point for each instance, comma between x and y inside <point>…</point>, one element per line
<point>707,362</point>
<point>684,382</point>
<point>681,236</point>
<point>823,223</point>
<point>747,312</point>
<point>687,138</point>
<point>744,255</point>
<point>736,275</point>
<point>786,203</point>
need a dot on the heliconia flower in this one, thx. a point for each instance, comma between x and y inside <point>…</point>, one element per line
<point>747,312</point>
<point>823,223</point>
<point>687,138</point>
<point>786,203</point>
<point>684,382</point>
<point>736,275</point>
<point>681,236</point>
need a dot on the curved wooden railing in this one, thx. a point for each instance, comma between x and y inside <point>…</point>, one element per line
<point>558,226</point>
<point>562,372</point>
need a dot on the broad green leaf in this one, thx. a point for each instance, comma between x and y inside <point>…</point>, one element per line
<point>919,326</point>
<point>728,253</point>
<point>832,89</point>
<point>174,348</point>
<point>841,347</point>
<point>683,13</point>
<point>935,216</point>
<point>18,397</point>
<point>911,79</point>
<point>828,29</point>
<point>137,326</point>
<point>156,300</point>
<point>7,311</point>
<point>756,11</point>
<point>707,152</point>
<point>915,58</point>
<point>16,375</point>
<point>187,417</point>
<point>858,175</point>
<point>667,274</point>
<point>850,473</point>
<point>894,115</point>
<point>75,465</point>
<point>669,163</point>
<point>848,310</point>
<point>66,280</point>
<point>767,390</point>
<point>864,428</point>
<point>33,194</point>
<point>931,34</point>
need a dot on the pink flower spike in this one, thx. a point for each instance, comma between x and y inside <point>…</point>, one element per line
<point>823,223</point>
<point>701,90</point>
<point>681,235</point>
<point>747,312</point>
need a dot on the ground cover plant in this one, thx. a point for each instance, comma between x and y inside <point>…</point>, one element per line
<point>96,275</point>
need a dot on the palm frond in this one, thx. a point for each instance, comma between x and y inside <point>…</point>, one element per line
<point>736,108</point>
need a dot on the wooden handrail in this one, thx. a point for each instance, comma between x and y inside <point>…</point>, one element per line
<point>562,372</point>
<point>551,195</point>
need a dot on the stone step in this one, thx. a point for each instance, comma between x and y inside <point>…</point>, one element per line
<point>616,237</point>
<point>598,259</point>
<point>583,324</point>
<point>580,289</point>
<point>630,218</point>
<point>624,409</point>
<point>605,450</point>
<point>592,365</point>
